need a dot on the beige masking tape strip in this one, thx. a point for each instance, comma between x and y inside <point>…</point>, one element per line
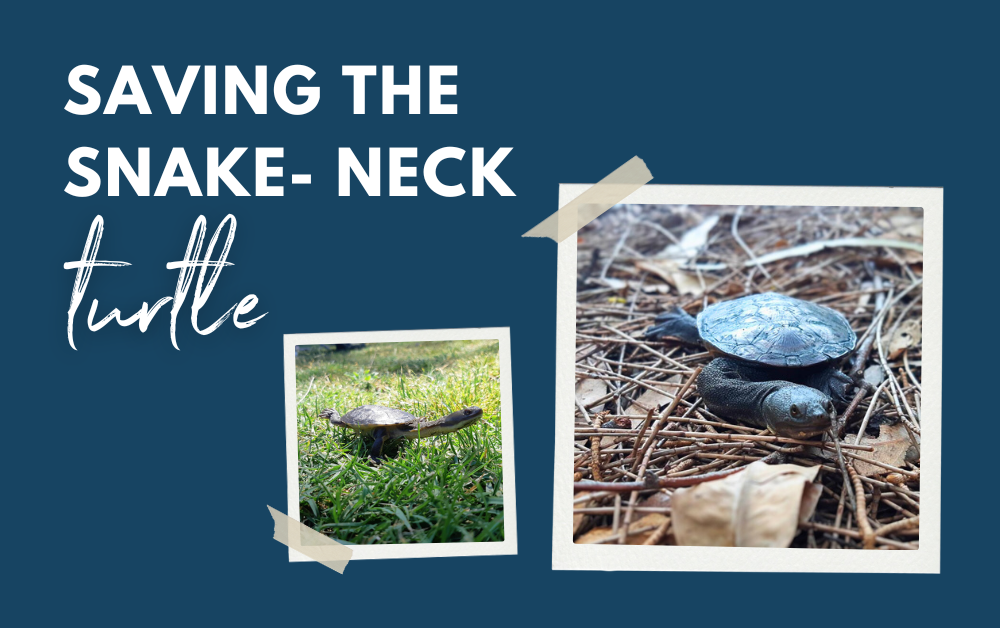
<point>598,199</point>
<point>316,546</point>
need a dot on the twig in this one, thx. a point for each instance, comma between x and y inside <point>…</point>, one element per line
<point>868,414</point>
<point>663,415</point>
<point>902,524</point>
<point>595,449</point>
<point>661,532</point>
<point>743,245</point>
<point>860,510</point>
<point>668,482</point>
<point>856,535</point>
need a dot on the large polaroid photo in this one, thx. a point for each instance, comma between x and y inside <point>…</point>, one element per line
<point>400,443</point>
<point>749,379</point>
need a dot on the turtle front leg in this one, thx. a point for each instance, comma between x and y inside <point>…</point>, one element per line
<point>832,382</point>
<point>376,451</point>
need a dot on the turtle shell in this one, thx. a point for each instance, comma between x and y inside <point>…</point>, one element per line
<point>372,417</point>
<point>776,330</point>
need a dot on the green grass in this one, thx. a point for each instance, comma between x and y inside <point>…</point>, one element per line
<point>443,489</point>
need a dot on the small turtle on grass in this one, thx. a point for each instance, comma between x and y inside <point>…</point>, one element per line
<point>389,423</point>
<point>777,363</point>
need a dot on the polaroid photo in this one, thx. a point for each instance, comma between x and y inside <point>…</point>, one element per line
<point>400,444</point>
<point>749,379</point>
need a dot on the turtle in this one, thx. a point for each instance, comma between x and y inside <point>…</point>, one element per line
<point>776,360</point>
<point>389,423</point>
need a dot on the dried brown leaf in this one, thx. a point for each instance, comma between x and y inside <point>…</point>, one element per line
<point>760,507</point>
<point>647,524</point>
<point>905,226</point>
<point>691,243</point>
<point>906,336</point>
<point>874,375</point>
<point>656,500</point>
<point>670,271</point>
<point>891,447</point>
<point>590,390</point>
<point>652,399</point>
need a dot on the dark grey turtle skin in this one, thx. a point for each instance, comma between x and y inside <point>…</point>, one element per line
<point>777,360</point>
<point>389,423</point>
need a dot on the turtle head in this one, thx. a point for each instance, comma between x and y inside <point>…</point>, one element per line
<point>333,417</point>
<point>798,411</point>
<point>462,418</point>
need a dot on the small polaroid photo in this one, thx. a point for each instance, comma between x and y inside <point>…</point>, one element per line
<point>400,444</point>
<point>749,379</point>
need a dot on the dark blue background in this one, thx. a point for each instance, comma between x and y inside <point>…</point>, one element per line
<point>181,450</point>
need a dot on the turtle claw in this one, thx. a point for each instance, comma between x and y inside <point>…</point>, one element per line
<point>832,383</point>
<point>838,387</point>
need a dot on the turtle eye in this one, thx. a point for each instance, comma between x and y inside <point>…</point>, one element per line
<point>794,410</point>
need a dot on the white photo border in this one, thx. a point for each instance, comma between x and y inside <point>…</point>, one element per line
<point>415,550</point>
<point>566,555</point>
